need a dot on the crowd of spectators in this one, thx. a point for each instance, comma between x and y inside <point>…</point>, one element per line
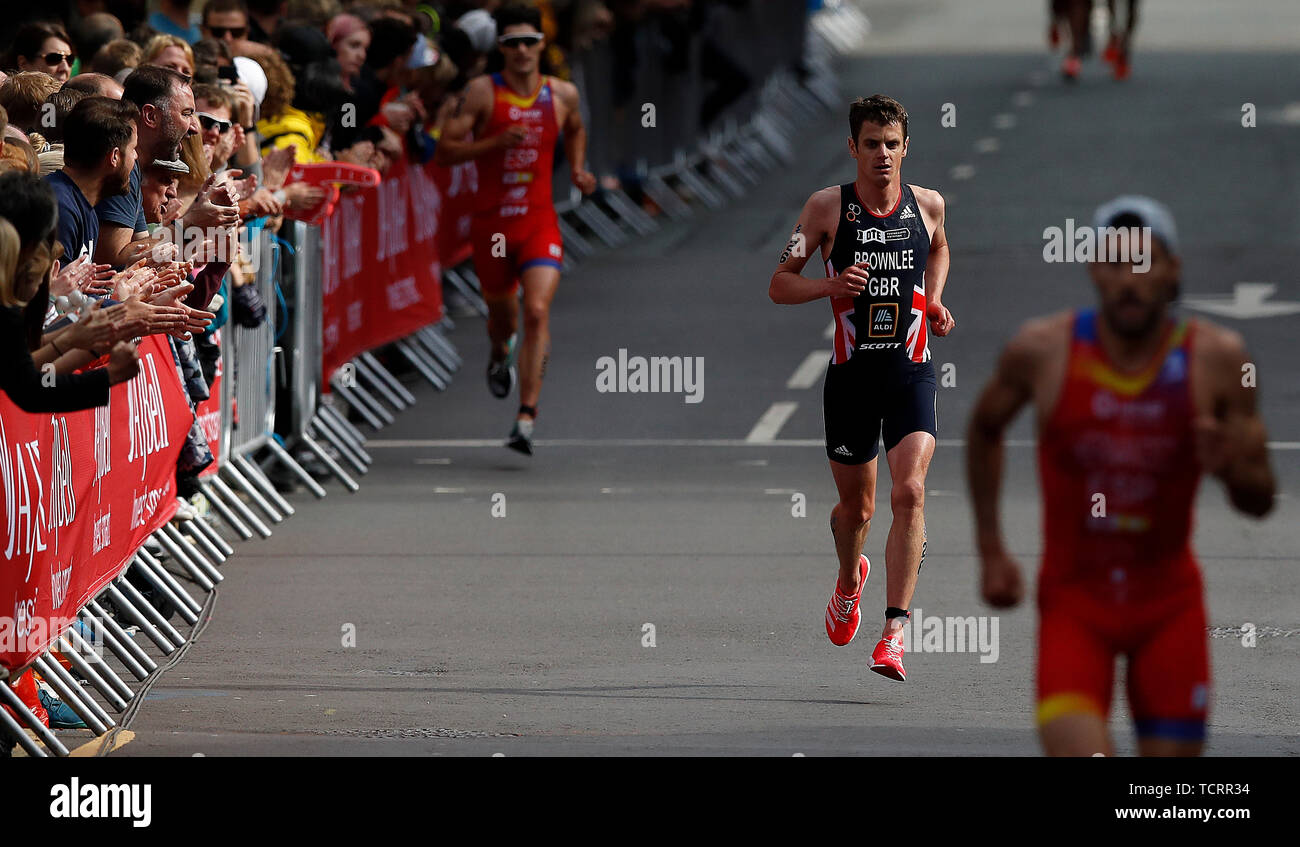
<point>143,142</point>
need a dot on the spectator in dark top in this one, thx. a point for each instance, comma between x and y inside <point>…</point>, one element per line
<point>391,42</point>
<point>27,250</point>
<point>264,17</point>
<point>173,18</point>
<point>43,47</point>
<point>98,159</point>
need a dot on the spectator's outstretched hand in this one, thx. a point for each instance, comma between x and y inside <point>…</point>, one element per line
<point>276,165</point>
<point>95,331</point>
<point>123,362</point>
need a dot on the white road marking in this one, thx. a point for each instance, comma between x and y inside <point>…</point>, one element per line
<point>772,421</point>
<point>807,374</point>
<point>987,145</point>
<point>779,491</point>
<point>473,443</point>
<point>1021,99</point>
<point>433,461</point>
<point>1004,120</point>
<point>962,171</point>
<point>442,490</point>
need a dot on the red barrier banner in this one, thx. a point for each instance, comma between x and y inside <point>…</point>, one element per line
<point>382,278</point>
<point>79,493</point>
<point>457,186</point>
<point>208,413</point>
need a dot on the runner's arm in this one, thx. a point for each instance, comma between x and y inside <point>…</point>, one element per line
<point>454,145</point>
<point>1011,387</point>
<point>575,137</point>
<point>788,285</point>
<point>1232,440</point>
<point>936,266</point>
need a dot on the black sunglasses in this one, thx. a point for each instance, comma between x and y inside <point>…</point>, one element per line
<point>219,32</point>
<point>511,41</point>
<point>56,58</point>
<point>209,121</point>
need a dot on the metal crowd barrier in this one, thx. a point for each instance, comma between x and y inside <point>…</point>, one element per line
<point>686,160</point>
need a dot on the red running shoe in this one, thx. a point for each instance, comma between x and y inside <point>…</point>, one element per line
<point>1112,50</point>
<point>842,612</point>
<point>1121,68</point>
<point>887,659</point>
<point>1071,68</point>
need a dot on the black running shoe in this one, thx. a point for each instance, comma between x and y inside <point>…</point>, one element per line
<point>501,375</point>
<point>521,437</point>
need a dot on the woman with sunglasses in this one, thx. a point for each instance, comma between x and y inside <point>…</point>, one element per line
<point>43,47</point>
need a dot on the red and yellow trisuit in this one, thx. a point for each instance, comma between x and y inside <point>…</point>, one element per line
<point>1119,472</point>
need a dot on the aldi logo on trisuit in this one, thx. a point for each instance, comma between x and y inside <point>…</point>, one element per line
<point>884,318</point>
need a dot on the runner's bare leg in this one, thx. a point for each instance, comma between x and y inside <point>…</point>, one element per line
<point>539,285</point>
<point>851,517</point>
<point>909,461</point>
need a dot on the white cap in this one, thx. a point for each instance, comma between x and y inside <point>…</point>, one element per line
<point>481,28</point>
<point>1151,213</point>
<point>252,75</point>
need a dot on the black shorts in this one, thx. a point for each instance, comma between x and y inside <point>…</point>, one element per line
<point>863,397</point>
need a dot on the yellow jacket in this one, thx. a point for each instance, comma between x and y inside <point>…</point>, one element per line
<point>293,126</point>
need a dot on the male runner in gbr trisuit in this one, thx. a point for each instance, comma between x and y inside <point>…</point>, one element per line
<point>886,261</point>
<point>1133,404</point>
<point>516,117</point>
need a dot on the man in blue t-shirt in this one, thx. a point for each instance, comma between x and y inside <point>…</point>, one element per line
<point>99,156</point>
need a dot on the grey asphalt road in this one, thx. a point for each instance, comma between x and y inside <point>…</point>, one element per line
<point>643,514</point>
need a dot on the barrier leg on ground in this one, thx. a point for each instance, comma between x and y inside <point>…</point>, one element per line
<point>386,377</point>
<point>370,373</point>
<point>283,457</point>
<point>124,639</point>
<point>92,675</point>
<point>423,365</point>
<point>114,638</point>
<point>224,510</point>
<point>319,452</point>
<point>157,576</point>
<point>462,287</point>
<point>128,608</point>
<point>146,609</point>
<point>72,694</point>
<point>183,558</point>
<point>194,528</point>
<point>10,699</point>
<point>347,433</point>
<point>74,646</point>
<point>240,507</point>
<point>255,475</point>
<point>343,443</point>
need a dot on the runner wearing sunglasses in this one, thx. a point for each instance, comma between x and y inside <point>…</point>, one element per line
<point>509,122</point>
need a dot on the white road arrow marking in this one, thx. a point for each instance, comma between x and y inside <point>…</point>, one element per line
<point>1247,301</point>
<point>772,421</point>
<point>807,374</point>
